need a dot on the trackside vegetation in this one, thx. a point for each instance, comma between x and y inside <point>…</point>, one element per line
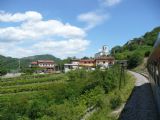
<point>63,96</point>
<point>135,50</point>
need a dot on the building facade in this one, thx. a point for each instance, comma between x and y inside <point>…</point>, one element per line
<point>74,64</point>
<point>102,60</point>
<point>46,66</point>
<point>87,63</point>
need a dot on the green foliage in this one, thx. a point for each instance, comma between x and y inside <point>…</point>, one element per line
<point>9,63</point>
<point>142,45</point>
<point>147,53</point>
<point>151,37</point>
<point>3,72</point>
<point>115,101</point>
<point>56,97</point>
<point>116,49</point>
<point>28,71</point>
<point>135,60</point>
<point>36,109</point>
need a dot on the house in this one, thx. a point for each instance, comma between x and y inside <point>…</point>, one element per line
<point>87,63</point>
<point>71,66</point>
<point>103,58</point>
<point>46,66</point>
<point>104,61</point>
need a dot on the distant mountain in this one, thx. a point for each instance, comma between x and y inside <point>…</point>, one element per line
<point>42,57</point>
<point>9,63</point>
<point>142,45</point>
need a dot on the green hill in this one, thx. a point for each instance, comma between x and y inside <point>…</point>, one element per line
<point>9,63</point>
<point>141,47</point>
<point>137,49</point>
<point>26,60</point>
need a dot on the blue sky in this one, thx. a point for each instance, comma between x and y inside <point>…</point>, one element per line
<point>72,27</point>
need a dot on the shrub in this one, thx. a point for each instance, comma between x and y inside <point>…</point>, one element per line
<point>3,72</point>
<point>147,53</point>
<point>135,60</point>
<point>115,102</point>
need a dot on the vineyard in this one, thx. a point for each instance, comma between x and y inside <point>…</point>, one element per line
<point>63,96</point>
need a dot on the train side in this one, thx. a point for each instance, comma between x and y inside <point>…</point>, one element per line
<point>153,67</point>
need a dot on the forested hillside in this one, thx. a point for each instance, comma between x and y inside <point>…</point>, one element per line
<point>136,49</point>
<point>8,63</point>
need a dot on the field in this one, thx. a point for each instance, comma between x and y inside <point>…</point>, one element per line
<point>67,96</point>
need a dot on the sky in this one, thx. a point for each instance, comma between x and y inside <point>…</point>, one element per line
<point>72,27</point>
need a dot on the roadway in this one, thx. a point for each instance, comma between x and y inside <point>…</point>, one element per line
<point>141,104</point>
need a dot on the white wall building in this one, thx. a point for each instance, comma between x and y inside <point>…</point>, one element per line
<point>71,66</point>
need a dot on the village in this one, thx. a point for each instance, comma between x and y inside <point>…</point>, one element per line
<point>102,60</point>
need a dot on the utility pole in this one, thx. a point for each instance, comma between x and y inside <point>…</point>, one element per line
<point>19,65</point>
<point>123,64</point>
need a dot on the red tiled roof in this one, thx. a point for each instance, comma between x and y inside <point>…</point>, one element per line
<point>105,58</point>
<point>45,61</point>
<point>34,63</point>
<point>87,60</point>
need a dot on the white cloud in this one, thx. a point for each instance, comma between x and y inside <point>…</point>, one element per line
<point>110,2</point>
<point>97,17</point>
<point>35,28</point>
<point>11,49</point>
<point>18,17</point>
<point>92,19</point>
<point>40,29</point>
<point>31,28</point>
<point>63,47</point>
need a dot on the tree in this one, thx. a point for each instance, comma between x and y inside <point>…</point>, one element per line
<point>116,49</point>
<point>147,53</point>
<point>135,60</point>
<point>3,72</point>
<point>85,57</point>
<point>28,70</point>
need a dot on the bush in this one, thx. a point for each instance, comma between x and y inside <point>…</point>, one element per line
<point>115,102</point>
<point>135,60</point>
<point>3,72</point>
<point>147,53</point>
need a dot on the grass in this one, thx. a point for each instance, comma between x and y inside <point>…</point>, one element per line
<point>142,68</point>
<point>119,96</point>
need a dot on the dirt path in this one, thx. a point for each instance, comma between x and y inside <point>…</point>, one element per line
<point>141,105</point>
